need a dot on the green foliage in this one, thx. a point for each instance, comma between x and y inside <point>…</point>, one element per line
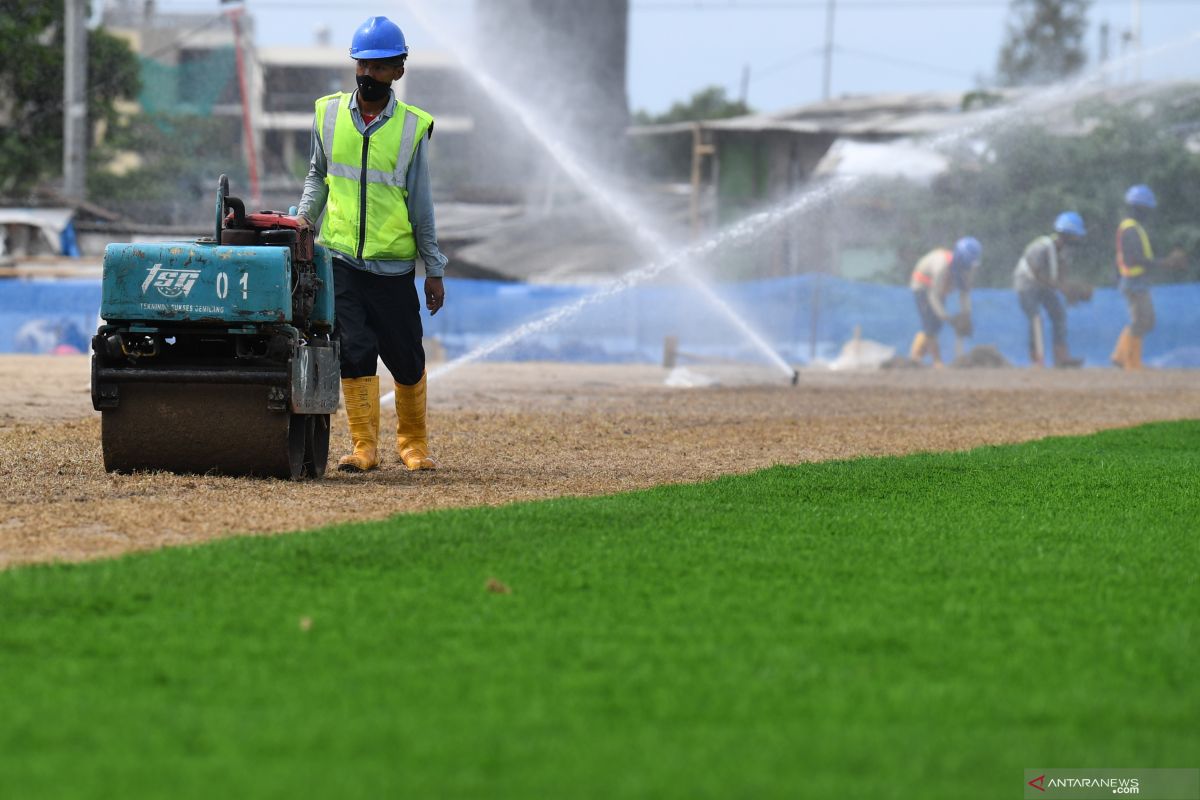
<point>1027,175</point>
<point>886,628</point>
<point>708,103</point>
<point>1044,42</point>
<point>175,171</point>
<point>31,87</point>
<point>669,157</point>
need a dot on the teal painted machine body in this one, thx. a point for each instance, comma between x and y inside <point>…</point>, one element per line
<point>218,355</point>
<point>198,282</point>
<point>323,308</point>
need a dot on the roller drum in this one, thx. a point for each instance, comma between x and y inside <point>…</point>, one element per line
<point>207,428</point>
<point>316,445</point>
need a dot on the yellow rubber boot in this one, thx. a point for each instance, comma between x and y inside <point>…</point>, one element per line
<point>1133,353</point>
<point>917,351</point>
<point>934,350</point>
<point>412,438</point>
<point>362,407</point>
<point>1120,353</point>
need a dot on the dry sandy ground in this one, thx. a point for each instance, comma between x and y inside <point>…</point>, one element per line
<point>508,432</point>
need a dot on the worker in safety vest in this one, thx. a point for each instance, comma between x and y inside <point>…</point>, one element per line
<point>1039,277</point>
<point>369,173</point>
<point>1135,261</point>
<point>935,275</point>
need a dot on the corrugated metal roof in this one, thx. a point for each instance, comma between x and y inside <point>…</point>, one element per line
<point>887,116</point>
<point>329,56</point>
<point>861,115</point>
<point>305,56</point>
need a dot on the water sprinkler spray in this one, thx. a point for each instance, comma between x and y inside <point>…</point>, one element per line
<point>622,207</point>
<point>805,200</point>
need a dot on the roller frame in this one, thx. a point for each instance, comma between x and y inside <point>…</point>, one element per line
<point>232,416</point>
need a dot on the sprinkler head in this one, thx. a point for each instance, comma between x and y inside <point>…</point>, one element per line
<point>795,377</point>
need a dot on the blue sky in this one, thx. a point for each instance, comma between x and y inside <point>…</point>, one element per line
<point>679,46</point>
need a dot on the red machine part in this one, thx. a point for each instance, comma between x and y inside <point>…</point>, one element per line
<point>277,220</point>
<point>266,220</point>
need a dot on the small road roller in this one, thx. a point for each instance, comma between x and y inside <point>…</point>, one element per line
<point>217,356</point>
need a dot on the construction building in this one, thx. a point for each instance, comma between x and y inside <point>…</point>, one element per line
<point>206,64</point>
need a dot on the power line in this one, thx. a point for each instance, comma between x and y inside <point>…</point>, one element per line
<point>805,55</point>
<point>904,62</point>
<point>790,61</point>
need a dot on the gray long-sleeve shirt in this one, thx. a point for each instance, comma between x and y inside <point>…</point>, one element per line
<point>1041,265</point>
<point>420,200</point>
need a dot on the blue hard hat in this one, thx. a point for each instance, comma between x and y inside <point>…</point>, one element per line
<point>378,37</point>
<point>1070,223</point>
<point>1141,195</point>
<point>967,252</point>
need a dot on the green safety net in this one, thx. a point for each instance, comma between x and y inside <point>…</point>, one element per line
<point>192,87</point>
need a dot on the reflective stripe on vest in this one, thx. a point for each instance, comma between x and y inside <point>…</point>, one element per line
<point>366,214</point>
<point>925,279</point>
<point>1148,252</point>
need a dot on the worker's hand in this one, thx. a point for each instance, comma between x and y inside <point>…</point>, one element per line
<point>305,223</point>
<point>435,294</point>
<point>1076,292</point>
<point>1177,259</point>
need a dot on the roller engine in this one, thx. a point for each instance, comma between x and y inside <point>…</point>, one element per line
<point>217,355</point>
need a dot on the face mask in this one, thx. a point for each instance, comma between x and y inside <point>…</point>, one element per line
<point>371,90</point>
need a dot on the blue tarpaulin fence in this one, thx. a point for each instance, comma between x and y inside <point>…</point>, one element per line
<point>41,316</point>
<point>790,313</point>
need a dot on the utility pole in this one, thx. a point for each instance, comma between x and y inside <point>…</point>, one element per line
<point>1135,30</point>
<point>75,100</point>
<point>248,133</point>
<point>829,9</point>
<point>744,94</point>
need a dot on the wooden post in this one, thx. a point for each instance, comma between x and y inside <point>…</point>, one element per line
<point>670,351</point>
<point>700,149</point>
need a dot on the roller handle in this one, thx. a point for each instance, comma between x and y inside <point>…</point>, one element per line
<point>225,204</point>
<point>222,193</point>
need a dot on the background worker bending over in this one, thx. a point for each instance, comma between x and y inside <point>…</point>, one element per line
<point>935,275</point>
<point>1039,277</point>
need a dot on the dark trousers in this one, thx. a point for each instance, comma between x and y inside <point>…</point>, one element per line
<point>1033,299</point>
<point>931,323</point>
<point>1141,311</point>
<point>378,316</point>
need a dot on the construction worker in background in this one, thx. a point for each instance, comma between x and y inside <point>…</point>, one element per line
<point>369,173</point>
<point>1039,277</point>
<point>935,275</point>
<point>1135,260</point>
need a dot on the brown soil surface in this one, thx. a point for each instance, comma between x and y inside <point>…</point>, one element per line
<point>509,432</point>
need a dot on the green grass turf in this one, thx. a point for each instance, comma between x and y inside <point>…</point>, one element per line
<point>886,628</point>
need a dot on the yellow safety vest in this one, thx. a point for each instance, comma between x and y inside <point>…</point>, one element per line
<point>366,213</point>
<point>1126,270</point>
